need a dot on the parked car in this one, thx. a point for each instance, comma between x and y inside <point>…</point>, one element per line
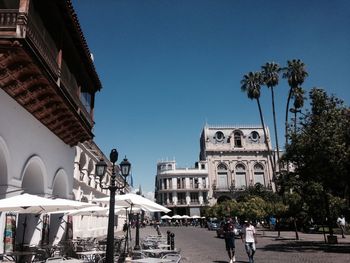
<point>238,230</point>
<point>213,225</point>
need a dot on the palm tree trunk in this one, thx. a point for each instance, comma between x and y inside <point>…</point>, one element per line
<point>286,123</point>
<point>266,142</point>
<point>275,127</point>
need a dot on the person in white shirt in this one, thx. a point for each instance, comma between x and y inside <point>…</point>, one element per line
<point>249,238</point>
<point>341,224</point>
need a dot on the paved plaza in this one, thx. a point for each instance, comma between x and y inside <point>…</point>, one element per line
<point>200,245</point>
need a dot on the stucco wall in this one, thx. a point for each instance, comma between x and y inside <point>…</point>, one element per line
<point>26,137</point>
<point>31,156</point>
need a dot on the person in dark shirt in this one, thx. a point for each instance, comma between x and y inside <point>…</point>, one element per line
<point>229,235</point>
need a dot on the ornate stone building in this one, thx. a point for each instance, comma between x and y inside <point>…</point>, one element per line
<point>237,157</point>
<point>231,159</point>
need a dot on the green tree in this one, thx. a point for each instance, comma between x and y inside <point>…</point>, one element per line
<point>260,191</point>
<point>251,84</point>
<point>320,152</point>
<point>253,208</point>
<point>294,204</point>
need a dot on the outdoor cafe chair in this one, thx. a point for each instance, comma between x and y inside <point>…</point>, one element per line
<point>63,260</point>
<point>174,257</point>
<point>138,254</point>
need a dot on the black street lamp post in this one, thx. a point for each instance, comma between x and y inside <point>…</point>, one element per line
<point>124,169</point>
<point>137,239</point>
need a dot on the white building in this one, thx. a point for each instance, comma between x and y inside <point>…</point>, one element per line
<point>183,190</point>
<point>86,188</point>
<point>48,84</point>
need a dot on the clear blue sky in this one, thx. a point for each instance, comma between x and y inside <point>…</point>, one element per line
<point>169,66</point>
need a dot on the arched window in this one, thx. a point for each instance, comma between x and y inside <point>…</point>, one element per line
<point>259,174</point>
<point>240,181</point>
<point>222,176</point>
<point>84,199</point>
<point>238,139</point>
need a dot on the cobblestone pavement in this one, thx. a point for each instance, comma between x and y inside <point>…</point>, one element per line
<point>200,245</point>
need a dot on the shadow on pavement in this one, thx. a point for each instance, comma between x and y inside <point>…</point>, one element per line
<point>301,246</point>
<point>237,261</point>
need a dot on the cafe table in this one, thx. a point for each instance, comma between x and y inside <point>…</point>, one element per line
<point>158,252</point>
<point>150,260</point>
<point>90,255</point>
<point>163,245</point>
<point>16,255</point>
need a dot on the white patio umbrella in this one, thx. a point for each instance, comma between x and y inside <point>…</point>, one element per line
<point>122,210</point>
<point>134,200</point>
<point>165,217</point>
<point>176,217</point>
<point>185,217</point>
<point>34,204</point>
<point>196,217</point>
<point>85,211</point>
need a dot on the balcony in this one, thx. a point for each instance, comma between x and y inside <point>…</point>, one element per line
<point>30,74</point>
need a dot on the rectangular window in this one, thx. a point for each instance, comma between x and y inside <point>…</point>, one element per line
<point>194,198</point>
<point>222,181</point>
<point>240,180</point>
<point>181,197</point>
<point>170,184</point>
<point>196,184</point>
<point>205,197</point>
<point>259,178</point>
<point>191,182</point>
<point>85,98</point>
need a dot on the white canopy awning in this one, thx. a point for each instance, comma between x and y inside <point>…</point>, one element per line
<point>134,200</point>
<point>28,203</point>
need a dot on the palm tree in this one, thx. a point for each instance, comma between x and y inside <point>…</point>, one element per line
<point>270,73</point>
<point>251,83</point>
<point>295,73</point>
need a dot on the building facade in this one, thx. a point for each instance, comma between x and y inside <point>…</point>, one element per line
<point>182,190</point>
<point>48,84</point>
<point>86,188</point>
<point>237,158</point>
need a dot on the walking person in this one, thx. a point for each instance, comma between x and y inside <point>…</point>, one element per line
<point>249,239</point>
<point>158,229</point>
<point>229,235</point>
<point>341,223</point>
